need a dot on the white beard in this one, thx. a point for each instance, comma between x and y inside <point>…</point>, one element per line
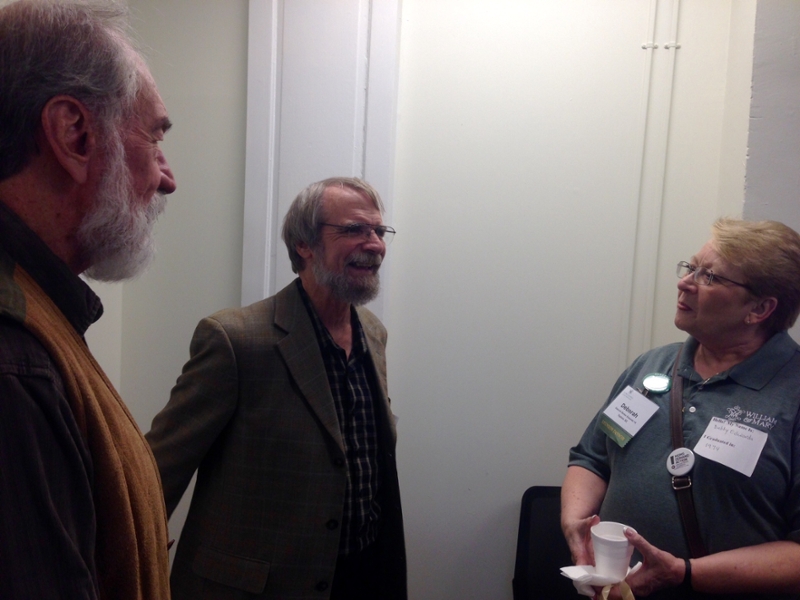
<point>116,236</point>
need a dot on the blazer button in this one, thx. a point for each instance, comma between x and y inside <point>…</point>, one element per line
<point>332,524</point>
<point>322,586</point>
<point>339,462</point>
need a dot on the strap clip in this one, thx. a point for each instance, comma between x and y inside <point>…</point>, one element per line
<point>681,482</point>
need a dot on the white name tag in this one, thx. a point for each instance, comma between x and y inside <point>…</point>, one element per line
<point>626,415</point>
<point>732,444</point>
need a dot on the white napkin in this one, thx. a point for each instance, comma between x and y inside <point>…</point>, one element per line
<point>584,578</point>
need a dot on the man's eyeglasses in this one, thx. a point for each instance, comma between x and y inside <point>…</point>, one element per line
<point>364,230</point>
<point>703,276</point>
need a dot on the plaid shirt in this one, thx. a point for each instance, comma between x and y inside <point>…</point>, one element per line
<point>352,395</point>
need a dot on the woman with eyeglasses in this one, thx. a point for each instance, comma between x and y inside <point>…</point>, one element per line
<point>697,448</point>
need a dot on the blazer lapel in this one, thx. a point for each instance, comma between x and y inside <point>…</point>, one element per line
<point>378,356</point>
<point>300,350</point>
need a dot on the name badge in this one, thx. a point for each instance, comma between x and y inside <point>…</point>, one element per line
<point>732,444</point>
<point>626,415</point>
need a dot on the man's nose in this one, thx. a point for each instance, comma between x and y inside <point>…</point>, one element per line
<point>374,243</point>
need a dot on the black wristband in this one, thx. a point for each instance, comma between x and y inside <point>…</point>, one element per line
<point>686,584</point>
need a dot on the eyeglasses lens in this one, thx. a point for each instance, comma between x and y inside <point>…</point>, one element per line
<point>701,276</point>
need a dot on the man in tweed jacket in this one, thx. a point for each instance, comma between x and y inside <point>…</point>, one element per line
<point>283,412</point>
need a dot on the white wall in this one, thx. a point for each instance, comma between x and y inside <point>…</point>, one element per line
<point>105,336</point>
<point>197,50</point>
<point>707,144</point>
<point>773,167</point>
<point>737,108</point>
<point>515,152</point>
<point>513,260</point>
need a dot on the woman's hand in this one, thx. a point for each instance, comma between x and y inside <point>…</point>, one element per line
<point>579,538</point>
<point>659,569</point>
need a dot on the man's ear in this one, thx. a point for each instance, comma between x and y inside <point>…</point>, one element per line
<point>304,250</point>
<point>69,131</point>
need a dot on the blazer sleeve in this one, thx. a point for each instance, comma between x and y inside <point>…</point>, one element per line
<point>200,406</point>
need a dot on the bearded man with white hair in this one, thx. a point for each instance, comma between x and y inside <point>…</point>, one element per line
<point>82,180</point>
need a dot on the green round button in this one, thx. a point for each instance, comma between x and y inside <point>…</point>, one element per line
<point>657,382</point>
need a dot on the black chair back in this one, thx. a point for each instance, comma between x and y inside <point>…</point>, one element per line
<point>541,548</point>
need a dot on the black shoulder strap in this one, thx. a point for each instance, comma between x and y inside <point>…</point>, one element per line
<point>682,484</point>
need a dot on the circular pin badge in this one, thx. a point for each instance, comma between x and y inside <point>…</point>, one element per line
<point>680,461</point>
<point>656,382</point>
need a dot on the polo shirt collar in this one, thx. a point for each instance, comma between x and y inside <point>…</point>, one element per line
<point>755,371</point>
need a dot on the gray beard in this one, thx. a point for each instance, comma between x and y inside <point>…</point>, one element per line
<point>352,292</point>
<point>116,236</point>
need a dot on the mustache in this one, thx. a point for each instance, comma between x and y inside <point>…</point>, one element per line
<point>365,259</point>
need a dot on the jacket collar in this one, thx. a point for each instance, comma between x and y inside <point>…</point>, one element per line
<point>300,349</point>
<point>19,245</point>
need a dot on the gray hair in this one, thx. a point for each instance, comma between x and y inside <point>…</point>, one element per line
<point>302,223</point>
<point>79,48</point>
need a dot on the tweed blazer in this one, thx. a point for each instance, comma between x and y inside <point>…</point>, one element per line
<point>253,414</point>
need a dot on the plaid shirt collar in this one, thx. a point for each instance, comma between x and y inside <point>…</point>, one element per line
<point>326,342</point>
